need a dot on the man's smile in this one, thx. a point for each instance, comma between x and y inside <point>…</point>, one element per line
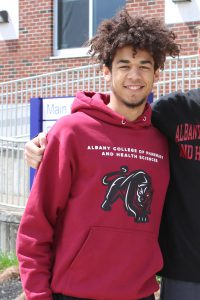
<point>134,87</point>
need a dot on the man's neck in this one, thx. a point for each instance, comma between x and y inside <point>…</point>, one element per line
<point>129,113</point>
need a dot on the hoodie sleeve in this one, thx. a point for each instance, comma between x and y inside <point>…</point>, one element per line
<point>163,110</point>
<point>158,115</point>
<point>47,199</point>
<point>172,107</point>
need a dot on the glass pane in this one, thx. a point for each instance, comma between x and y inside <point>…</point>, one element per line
<point>105,9</point>
<point>73,23</point>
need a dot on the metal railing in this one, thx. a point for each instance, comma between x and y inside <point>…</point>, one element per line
<point>15,95</point>
<point>179,74</point>
<point>14,179</point>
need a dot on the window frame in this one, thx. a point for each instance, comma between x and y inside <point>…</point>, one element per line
<point>72,52</point>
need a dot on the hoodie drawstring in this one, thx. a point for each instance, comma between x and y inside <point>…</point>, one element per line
<point>123,121</point>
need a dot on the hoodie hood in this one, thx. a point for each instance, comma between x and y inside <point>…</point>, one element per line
<point>95,105</point>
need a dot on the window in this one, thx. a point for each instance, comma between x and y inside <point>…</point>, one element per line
<point>76,21</point>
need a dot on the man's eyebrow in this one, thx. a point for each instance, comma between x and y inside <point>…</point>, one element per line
<point>126,61</point>
<point>123,61</point>
<point>146,62</point>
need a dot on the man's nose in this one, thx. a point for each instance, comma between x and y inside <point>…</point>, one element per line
<point>134,73</point>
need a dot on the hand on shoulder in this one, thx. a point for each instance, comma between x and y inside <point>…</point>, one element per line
<point>34,150</point>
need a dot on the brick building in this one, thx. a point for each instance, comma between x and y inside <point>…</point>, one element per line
<point>35,40</point>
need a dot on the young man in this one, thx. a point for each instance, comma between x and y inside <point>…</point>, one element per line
<point>90,227</point>
<point>178,116</point>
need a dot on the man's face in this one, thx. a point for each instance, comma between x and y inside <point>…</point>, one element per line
<point>131,79</point>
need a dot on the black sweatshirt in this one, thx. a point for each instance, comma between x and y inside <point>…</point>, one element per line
<point>177,115</point>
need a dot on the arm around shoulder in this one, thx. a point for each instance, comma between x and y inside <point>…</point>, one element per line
<point>34,150</point>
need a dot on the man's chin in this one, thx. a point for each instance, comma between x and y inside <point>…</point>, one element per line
<point>135,103</point>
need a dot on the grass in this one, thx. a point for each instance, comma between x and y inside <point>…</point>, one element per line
<point>7,260</point>
<point>158,278</point>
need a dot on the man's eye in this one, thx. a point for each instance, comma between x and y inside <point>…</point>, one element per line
<point>123,67</point>
<point>144,67</point>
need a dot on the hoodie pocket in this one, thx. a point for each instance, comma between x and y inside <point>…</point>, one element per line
<point>117,262</point>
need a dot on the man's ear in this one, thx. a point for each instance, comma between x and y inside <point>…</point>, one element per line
<point>106,73</point>
<point>156,75</point>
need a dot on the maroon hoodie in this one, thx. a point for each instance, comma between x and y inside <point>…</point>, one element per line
<point>90,227</point>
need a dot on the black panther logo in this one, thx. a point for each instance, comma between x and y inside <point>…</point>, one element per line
<point>135,189</point>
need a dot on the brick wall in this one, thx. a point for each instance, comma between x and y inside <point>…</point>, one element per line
<point>152,8</point>
<point>30,54</point>
<point>187,36</point>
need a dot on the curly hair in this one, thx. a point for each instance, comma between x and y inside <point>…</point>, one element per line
<point>141,33</point>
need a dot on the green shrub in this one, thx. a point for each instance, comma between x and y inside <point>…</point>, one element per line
<point>7,260</point>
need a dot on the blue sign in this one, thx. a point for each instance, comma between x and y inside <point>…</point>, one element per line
<point>44,113</point>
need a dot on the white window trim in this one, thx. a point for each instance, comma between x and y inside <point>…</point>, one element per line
<point>72,52</point>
